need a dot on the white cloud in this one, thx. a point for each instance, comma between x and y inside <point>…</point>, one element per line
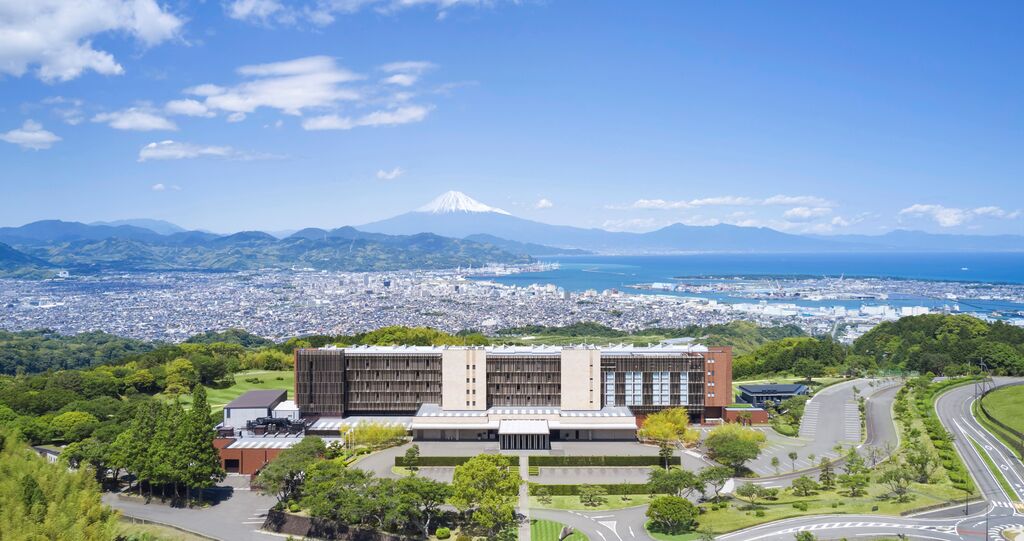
<point>952,216</point>
<point>323,12</point>
<point>187,107</point>
<point>806,214</point>
<point>802,200</point>
<point>67,109</point>
<point>30,135</point>
<point>392,117</point>
<point>543,203</point>
<point>56,37</point>
<point>293,86</point>
<point>177,150</point>
<point>158,187</point>
<point>731,200</point>
<point>135,119</point>
<point>401,79</point>
<point>390,175</point>
<point>161,187</point>
<point>634,225</point>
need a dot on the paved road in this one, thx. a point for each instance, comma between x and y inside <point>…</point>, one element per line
<point>618,525</point>
<point>982,523</point>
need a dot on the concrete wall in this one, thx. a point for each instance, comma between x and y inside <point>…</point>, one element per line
<point>458,366</point>
<point>581,379</point>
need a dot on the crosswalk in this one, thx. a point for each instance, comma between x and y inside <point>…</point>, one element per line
<point>809,422</point>
<point>851,422</point>
<point>888,525</point>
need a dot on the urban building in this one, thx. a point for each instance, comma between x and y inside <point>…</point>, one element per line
<point>522,397</point>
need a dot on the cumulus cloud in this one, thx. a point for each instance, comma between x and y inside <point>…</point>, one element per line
<point>30,135</point>
<point>390,175</point>
<point>56,37</point>
<point>324,12</point>
<point>543,203</point>
<point>806,214</point>
<point>135,119</point>
<point>187,107</point>
<point>952,216</point>
<point>67,109</point>
<point>161,187</point>
<point>401,115</point>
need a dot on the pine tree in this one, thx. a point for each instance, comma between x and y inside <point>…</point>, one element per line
<point>165,462</point>
<point>201,459</point>
<point>139,447</point>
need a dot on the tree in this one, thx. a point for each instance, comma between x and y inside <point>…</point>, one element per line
<point>423,499</point>
<point>592,495</point>
<point>809,369</point>
<point>827,477</point>
<point>335,492</point>
<point>201,459</point>
<point>855,483</point>
<point>376,435</point>
<point>543,494</point>
<point>665,452</point>
<point>412,458</point>
<point>792,459</point>
<point>73,426</point>
<point>775,464</point>
<point>181,376</point>
<point>734,445</point>
<point>716,477</point>
<point>805,536</point>
<point>676,482</point>
<point>804,486</point>
<point>898,477</point>
<point>668,427</point>
<point>284,476</point>
<point>752,492</point>
<point>921,461</point>
<point>486,488</point>
<point>671,514</point>
<point>854,463</point>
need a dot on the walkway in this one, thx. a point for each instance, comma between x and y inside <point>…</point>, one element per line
<point>524,499</point>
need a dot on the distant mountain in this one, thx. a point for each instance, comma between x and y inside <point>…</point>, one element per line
<point>15,263</point>
<point>525,248</point>
<point>157,226</point>
<point>59,231</point>
<point>341,249</point>
<point>455,214</point>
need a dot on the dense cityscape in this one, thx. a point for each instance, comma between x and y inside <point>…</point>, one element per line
<point>278,304</point>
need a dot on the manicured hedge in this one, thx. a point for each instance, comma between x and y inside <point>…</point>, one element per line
<point>573,490</point>
<point>590,461</point>
<point>428,461</point>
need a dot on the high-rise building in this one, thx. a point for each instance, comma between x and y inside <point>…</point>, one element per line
<point>523,397</point>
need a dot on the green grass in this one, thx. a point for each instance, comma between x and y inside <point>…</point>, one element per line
<point>548,530</point>
<point>1008,439</point>
<point>572,503</point>
<point>218,398</point>
<point>158,532</point>
<point>1005,405</point>
<point>689,536</point>
<point>995,471</point>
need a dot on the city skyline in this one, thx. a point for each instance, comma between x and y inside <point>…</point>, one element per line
<point>341,113</point>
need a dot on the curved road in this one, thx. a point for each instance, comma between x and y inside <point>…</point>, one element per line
<point>954,411</point>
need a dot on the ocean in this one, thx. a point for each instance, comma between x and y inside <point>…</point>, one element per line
<point>579,273</point>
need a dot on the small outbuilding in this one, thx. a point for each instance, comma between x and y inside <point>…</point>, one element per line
<point>251,406</point>
<point>760,395</point>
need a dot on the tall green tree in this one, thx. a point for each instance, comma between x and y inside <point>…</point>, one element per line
<point>485,487</point>
<point>200,458</point>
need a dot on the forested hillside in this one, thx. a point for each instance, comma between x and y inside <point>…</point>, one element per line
<point>37,351</point>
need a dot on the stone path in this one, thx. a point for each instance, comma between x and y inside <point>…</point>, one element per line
<point>524,499</point>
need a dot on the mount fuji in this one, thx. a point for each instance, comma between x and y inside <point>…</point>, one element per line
<point>455,214</point>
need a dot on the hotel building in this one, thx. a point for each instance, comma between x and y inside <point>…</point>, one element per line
<point>522,397</point>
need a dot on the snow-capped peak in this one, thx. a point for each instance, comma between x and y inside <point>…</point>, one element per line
<point>453,201</point>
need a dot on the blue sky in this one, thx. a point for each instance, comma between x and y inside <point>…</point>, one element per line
<point>258,114</point>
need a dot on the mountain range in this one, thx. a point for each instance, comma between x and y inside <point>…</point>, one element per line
<point>453,230</point>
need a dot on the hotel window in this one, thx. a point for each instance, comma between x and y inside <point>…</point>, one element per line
<point>634,388</point>
<point>684,384</point>
<point>609,388</point>
<point>660,388</point>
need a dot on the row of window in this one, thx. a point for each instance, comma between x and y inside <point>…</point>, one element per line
<point>661,388</point>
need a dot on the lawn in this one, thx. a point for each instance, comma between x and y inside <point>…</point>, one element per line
<point>547,530</point>
<point>1005,405</point>
<point>572,503</point>
<point>268,379</point>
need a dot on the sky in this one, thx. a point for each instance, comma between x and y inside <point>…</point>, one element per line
<point>230,115</point>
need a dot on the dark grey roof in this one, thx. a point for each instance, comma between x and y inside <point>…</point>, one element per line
<point>776,388</point>
<point>259,399</point>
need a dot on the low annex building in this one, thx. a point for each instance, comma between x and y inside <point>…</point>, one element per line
<point>522,397</point>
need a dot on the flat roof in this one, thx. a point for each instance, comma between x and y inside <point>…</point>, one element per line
<point>259,399</point>
<point>775,388</point>
<point>523,426</point>
<point>665,348</point>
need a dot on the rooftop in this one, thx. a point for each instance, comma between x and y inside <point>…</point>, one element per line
<point>614,349</point>
<point>774,388</point>
<point>259,399</point>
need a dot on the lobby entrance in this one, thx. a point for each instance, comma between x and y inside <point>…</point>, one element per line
<point>522,434</point>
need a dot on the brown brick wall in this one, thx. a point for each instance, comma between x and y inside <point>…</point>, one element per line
<point>718,370</point>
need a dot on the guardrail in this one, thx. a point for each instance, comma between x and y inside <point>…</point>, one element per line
<point>136,520</point>
<point>1017,444</point>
